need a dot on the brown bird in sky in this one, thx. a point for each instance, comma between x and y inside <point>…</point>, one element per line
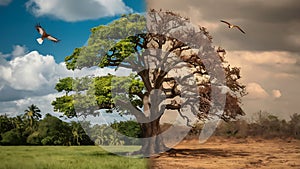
<point>44,35</point>
<point>232,26</point>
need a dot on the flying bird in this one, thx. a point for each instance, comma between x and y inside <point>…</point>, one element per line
<point>44,35</point>
<point>232,26</point>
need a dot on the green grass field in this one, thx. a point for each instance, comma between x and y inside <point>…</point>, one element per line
<point>63,157</point>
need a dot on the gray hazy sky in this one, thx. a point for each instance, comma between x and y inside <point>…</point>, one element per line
<point>268,54</point>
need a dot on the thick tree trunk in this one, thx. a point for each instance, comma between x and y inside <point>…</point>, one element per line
<point>152,142</point>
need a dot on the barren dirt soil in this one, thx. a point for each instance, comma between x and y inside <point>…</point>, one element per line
<point>232,154</point>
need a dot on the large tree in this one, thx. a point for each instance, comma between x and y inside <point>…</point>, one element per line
<point>174,68</point>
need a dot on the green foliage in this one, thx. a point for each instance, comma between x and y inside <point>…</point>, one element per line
<point>96,93</point>
<point>64,85</point>
<point>19,122</point>
<point>53,131</point>
<point>103,91</point>
<point>103,39</point>
<point>6,124</point>
<point>72,59</point>
<point>117,133</point>
<point>12,137</point>
<point>64,104</point>
<point>127,88</point>
<point>79,135</point>
<point>34,139</point>
<point>15,130</point>
<point>122,51</point>
<point>130,129</point>
<point>107,46</point>
<point>49,140</point>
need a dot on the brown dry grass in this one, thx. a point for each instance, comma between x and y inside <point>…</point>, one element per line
<point>231,153</point>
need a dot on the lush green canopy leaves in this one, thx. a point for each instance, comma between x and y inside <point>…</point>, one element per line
<point>103,41</point>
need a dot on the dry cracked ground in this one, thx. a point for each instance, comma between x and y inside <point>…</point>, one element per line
<point>231,153</point>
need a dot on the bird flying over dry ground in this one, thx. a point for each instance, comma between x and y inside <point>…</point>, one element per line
<point>44,35</point>
<point>233,26</point>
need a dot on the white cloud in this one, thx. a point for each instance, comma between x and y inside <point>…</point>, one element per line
<point>256,91</point>
<point>77,10</point>
<point>35,72</point>
<point>29,72</point>
<point>5,2</point>
<point>276,93</point>
<point>19,51</point>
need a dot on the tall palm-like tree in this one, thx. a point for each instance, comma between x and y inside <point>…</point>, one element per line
<point>32,114</point>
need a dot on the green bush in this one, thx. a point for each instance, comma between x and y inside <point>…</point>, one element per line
<point>34,139</point>
<point>12,137</point>
<point>47,140</point>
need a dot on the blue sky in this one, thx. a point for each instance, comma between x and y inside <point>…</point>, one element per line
<point>18,23</point>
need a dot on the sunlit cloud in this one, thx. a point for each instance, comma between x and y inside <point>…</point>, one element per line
<point>256,91</point>
<point>276,93</point>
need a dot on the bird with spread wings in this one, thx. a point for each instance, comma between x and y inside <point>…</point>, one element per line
<point>233,26</point>
<point>44,35</point>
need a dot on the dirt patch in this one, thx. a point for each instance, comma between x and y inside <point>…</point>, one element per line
<point>231,153</point>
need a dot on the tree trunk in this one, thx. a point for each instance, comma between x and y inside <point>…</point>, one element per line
<point>152,142</point>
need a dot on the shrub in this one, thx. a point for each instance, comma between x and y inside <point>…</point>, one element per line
<point>34,139</point>
<point>12,137</point>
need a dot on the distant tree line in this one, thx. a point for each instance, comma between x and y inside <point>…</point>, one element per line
<point>31,129</point>
<point>264,125</point>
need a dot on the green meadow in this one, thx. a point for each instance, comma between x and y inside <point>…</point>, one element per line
<point>66,157</point>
